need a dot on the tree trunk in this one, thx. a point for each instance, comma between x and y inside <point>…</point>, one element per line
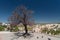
<point>26,30</point>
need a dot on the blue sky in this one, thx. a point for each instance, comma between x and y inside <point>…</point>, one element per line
<point>45,11</point>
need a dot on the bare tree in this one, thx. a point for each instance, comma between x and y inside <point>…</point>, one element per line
<point>21,15</point>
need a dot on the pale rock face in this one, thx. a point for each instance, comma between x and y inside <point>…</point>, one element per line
<point>59,26</point>
<point>54,29</point>
<point>5,29</point>
<point>39,28</point>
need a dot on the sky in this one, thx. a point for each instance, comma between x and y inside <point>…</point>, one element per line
<point>45,11</point>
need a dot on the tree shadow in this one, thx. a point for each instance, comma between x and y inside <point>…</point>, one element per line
<point>18,35</point>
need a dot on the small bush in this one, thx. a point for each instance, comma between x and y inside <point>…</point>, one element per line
<point>15,29</point>
<point>1,28</point>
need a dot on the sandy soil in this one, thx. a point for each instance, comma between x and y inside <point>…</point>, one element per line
<point>36,36</point>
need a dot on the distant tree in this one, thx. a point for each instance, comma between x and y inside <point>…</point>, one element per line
<point>21,15</point>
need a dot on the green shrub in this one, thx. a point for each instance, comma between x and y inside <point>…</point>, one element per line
<point>52,31</point>
<point>1,28</point>
<point>48,31</point>
<point>29,28</point>
<point>44,30</point>
<point>4,26</point>
<point>57,31</point>
<point>15,29</point>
